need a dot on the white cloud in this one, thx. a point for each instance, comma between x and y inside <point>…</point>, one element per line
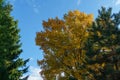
<point>78,2</point>
<point>36,8</point>
<point>34,73</point>
<point>112,3</point>
<point>34,4</point>
<point>117,2</point>
<point>31,59</point>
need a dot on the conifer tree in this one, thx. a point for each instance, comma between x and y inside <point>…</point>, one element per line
<point>12,66</point>
<point>103,46</point>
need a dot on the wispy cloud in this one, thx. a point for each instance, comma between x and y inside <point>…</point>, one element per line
<point>34,4</point>
<point>112,3</point>
<point>36,8</point>
<point>78,2</point>
<point>117,2</point>
<point>34,73</point>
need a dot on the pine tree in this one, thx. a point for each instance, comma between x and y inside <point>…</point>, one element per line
<point>103,46</point>
<point>10,63</point>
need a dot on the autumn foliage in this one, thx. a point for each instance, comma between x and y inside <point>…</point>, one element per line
<point>62,42</point>
<point>78,48</point>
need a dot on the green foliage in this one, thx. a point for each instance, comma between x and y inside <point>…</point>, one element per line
<point>103,46</point>
<point>10,63</point>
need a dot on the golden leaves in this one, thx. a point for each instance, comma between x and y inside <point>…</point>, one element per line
<point>99,34</point>
<point>62,42</point>
<point>78,18</point>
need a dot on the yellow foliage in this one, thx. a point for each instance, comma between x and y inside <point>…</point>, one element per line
<point>103,64</point>
<point>62,42</point>
<point>98,33</point>
<point>113,36</point>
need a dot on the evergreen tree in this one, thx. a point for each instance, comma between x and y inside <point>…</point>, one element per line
<point>103,46</point>
<point>10,63</point>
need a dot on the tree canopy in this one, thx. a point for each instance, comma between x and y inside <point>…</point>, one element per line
<point>78,48</point>
<point>62,42</point>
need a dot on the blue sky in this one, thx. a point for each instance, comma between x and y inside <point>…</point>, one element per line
<point>31,13</point>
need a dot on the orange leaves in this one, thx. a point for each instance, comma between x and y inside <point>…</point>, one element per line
<point>53,24</point>
<point>62,42</point>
